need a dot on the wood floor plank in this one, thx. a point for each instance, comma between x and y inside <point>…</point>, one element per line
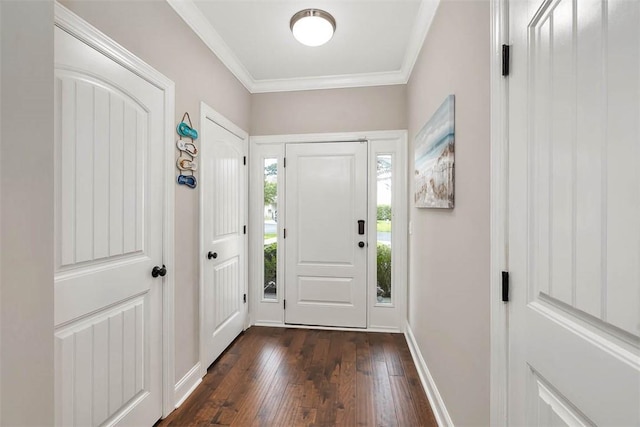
<point>376,347</point>
<point>327,403</point>
<point>384,406</point>
<point>346,410</point>
<point>365,415</point>
<point>405,410</point>
<point>419,399</point>
<point>245,399</point>
<point>305,416</point>
<point>254,349</point>
<point>299,377</point>
<point>334,357</point>
<point>269,408</point>
<point>289,406</point>
<point>304,357</point>
<point>392,357</point>
<point>346,404</point>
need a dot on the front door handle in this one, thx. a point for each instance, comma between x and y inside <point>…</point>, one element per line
<point>361,226</point>
<point>157,271</point>
<point>212,255</point>
<point>361,244</point>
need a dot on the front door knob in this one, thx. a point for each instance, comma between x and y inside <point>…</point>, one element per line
<point>361,244</point>
<point>212,255</point>
<point>158,271</point>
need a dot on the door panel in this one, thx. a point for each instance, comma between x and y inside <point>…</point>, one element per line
<point>224,193</point>
<point>574,238</point>
<point>325,268</point>
<point>100,215</point>
<point>108,209</point>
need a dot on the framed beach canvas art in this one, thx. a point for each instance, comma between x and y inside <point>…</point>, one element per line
<point>434,159</point>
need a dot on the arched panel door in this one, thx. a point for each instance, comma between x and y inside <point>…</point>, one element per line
<point>108,238</point>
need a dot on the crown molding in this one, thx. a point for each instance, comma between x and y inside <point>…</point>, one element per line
<point>426,13</point>
<point>330,82</point>
<point>194,18</point>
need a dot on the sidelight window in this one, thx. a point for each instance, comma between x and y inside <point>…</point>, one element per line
<point>270,228</point>
<point>383,227</point>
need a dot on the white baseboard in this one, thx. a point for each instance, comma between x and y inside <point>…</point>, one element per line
<point>187,384</point>
<point>437,404</point>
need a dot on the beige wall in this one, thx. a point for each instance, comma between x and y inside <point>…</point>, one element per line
<point>156,34</point>
<point>334,110</point>
<point>449,262</point>
<point>26,213</point>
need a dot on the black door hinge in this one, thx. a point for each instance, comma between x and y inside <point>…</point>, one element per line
<point>244,160</point>
<point>244,298</point>
<point>285,233</point>
<point>505,286</point>
<point>244,229</point>
<point>505,60</point>
<point>284,303</point>
<point>284,162</point>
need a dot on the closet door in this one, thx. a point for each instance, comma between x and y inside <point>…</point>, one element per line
<point>108,239</point>
<point>574,209</point>
<point>224,203</point>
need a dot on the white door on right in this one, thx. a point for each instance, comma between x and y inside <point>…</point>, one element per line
<point>574,213</point>
<point>326,244</point>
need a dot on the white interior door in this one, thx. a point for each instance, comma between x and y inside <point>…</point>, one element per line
<point>574,213</point>
<point>326,257</point>
<point>224,200</point>
<point>108,237</point>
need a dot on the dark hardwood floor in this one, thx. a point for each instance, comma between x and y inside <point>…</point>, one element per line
<point>290,377</point>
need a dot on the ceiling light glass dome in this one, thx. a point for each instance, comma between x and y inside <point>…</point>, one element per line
<point>313,27</point>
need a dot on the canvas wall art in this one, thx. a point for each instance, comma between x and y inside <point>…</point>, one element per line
<point>434,159</point>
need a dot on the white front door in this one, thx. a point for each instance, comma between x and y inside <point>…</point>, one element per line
<point>109,188</point>
<point>224,200</point>
<point>326,248</point>
<point>574,213</point>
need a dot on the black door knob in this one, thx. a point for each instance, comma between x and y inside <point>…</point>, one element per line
<point>159,271</point>
<point>361,244</point>
<point>212,255</point>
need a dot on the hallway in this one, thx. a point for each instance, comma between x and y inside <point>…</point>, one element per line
<point>286,377</point>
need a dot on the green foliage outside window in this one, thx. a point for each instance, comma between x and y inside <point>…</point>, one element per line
<point>384,270</point>
<point>270,267</point>
<point>384,213</point>
<point>270,193</point>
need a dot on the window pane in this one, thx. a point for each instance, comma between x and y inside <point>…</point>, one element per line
<point>270,228</point>
<point>383,173</point>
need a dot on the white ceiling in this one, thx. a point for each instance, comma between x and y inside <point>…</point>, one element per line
<point>376,41</point>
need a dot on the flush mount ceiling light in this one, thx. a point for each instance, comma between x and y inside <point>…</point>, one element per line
<point>312,27</point>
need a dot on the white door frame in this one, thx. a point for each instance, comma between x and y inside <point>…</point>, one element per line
<point>80,29</point>
<point>208,113</point>
<point>499,214</point>
<point>274,146</point>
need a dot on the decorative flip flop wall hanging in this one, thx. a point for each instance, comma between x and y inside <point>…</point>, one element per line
<point>185,162</point>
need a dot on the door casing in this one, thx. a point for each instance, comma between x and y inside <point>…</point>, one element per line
<point>80,29</point>
<point>498,214</point>
<point>271,313</point>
